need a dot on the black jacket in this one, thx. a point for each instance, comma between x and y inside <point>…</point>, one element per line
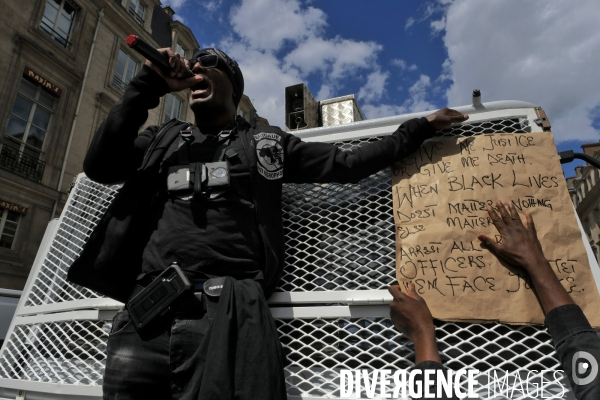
<point>577,345</point>
<point>273,157</point>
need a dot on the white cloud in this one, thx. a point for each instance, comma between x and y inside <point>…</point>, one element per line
<point>418,95</point>
<point>550,60</point>
<point>371,111</point>
<point>179,18</point>
<point>335,57</point>
<point>374,89</point>
<point>267,24</point>
<point>438,26</point>
<point>211,6</point>
<point>326,92</point>
<point>279,43</point>
<point>264,80</point>
<point>397,62</point>
<point>415,103</point>
<point>446,74</point>
<point>432,8</point>
<point>174,3</point>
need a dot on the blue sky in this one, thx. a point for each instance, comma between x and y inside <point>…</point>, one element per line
<point>401,56</point>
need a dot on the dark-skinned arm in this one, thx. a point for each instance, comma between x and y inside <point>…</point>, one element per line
<point>570,329</point>
<point>410,314</point>
<point>116,150</point>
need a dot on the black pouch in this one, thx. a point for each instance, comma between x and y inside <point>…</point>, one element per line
<point>156,298</point>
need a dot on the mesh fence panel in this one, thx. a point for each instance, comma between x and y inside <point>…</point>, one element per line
<point>339,237</point>
<point>81,214</point>
<point>317,349</point>
<point>67,352</point>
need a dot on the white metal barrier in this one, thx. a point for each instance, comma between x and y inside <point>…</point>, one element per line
<point>330,308</point>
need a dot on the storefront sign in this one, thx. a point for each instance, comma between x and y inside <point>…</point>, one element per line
<point>13,207</point>
<point>46,84</point>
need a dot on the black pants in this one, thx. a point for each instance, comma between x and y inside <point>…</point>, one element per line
<point>181,356</point>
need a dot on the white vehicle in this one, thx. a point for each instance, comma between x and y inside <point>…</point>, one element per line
<point>331,307</point>
<point>8,305</point>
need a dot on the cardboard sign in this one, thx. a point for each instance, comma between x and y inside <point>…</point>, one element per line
<point>440,193</point>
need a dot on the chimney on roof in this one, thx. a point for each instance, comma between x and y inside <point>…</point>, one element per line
<point>170,12</point>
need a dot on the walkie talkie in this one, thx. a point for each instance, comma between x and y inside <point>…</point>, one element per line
<point>146,49</point>
<point>156,298</point>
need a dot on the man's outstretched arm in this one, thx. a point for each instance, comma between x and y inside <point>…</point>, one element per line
<point>570,329</point>
<point>323,162</point>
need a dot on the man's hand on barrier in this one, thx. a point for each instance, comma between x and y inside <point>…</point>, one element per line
<point>412,317</point>
<point>520,246</point>
<point>445,117</point>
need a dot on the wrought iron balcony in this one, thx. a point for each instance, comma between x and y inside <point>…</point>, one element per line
<point>60,37</point>
<point>21,163</point>
<point>138,18</point>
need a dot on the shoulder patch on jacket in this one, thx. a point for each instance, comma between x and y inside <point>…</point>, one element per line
<point>270,155</point>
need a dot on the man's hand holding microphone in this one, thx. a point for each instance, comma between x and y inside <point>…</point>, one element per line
<point>173,68</point>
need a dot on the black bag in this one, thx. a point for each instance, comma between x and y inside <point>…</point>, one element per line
<point>111,259</point>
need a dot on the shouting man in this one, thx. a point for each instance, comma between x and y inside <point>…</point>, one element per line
<point>207,197</point>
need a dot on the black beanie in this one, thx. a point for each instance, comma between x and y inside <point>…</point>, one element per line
<point>230,67</point>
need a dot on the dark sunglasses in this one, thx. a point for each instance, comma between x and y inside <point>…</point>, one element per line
<point>206,61</point>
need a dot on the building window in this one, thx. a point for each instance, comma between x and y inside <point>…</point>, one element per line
<point>58,20</point>
<point>9,222</point>
<point>137,9</point>
<point>124,71</point>
<point>26,131</point>
<point>179,49</point>
<point>173,107</point>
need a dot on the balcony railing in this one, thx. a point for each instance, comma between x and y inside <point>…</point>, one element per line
<point>57,36</point>
<point>136,16</point>
<point>118,82</point>
<point>21,164</point>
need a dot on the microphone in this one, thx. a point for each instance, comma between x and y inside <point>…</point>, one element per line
<point>155,57</point>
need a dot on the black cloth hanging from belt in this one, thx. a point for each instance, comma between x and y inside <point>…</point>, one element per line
<point>241,356</point>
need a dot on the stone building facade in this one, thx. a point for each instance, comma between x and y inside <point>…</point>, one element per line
<point>584,189</point>
<point>64,64</point>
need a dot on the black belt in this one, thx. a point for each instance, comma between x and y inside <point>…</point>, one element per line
<point>198,285</point>
<point>141,284</point>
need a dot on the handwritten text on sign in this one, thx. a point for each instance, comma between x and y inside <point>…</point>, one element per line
<point>441,192</point>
